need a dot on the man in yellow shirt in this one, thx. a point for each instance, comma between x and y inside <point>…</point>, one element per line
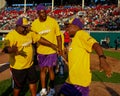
<point>79,79</point>
<point>18,44</point>
<point>48,28</point>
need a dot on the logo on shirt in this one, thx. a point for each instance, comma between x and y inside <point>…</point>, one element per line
<point>44,32</point>
<point>26,44</point>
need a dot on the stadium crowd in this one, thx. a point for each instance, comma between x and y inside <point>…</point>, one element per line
<point>100,17</point>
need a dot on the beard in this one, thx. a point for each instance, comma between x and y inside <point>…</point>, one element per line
<point>25,32</point>
<point>43,18</point>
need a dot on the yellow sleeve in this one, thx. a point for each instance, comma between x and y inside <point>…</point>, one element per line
<point>35,37</point>
<point>8,41</point>
<point>87,41</point>
<point>57,29</point>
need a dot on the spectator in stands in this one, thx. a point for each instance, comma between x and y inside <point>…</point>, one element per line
<point>47,57</point>
<point>78,81</point>
<point>18,43</point>
<point>103,17</point>
<point>117,43</point>
<point>107,42</point>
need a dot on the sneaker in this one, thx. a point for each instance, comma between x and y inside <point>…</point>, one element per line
<point>51,92</point>
<point>38,94</point>
<point>41,93</point>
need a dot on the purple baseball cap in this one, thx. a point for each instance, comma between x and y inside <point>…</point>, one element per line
<point>22,22</point>
<point>77,22</point>
<point>40,7</point>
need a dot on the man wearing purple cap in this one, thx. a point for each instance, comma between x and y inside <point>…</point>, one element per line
<point>79,78</point>
<point>18,44</point>
<point>47,57</point>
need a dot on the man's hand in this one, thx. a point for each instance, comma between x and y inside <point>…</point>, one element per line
<point>22,53</point>
<point>14,48</point>
<point>104,66</point>
<point>9,49</point>
<point>60,51</point>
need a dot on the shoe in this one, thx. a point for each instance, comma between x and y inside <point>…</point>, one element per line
<point>38,94</point>
<point>51,92</point>
<point>41,93</point>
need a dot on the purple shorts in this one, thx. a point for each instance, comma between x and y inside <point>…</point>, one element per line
<point>47,60</point>
<point>73,90</point>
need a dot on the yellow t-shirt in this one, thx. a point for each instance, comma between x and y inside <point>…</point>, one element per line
<point>62,35</point>
<point>24,44</point>
<point>79,59</point>
<point>49,30</point>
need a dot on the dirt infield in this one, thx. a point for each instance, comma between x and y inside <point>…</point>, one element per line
<point>102,88</point>
<point>96,88</point>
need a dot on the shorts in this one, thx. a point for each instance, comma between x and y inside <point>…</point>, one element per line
<point>73,90</point>
<point>47,60</point>
<point>21,77</point>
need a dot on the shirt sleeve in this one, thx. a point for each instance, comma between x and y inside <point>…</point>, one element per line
<point>87,41</point>
<point>8,41</point>
<point>57,28</point>
<point>35,37</point>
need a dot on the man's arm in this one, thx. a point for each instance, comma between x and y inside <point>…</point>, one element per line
<point>45,42</point>
<point>59,44</point>
<point>103,63</point>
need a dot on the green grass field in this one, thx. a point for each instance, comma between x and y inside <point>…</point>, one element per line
<point>112,54</point>
<point>6,87</point>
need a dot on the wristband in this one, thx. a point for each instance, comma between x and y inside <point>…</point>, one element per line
<point>102,56</point>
